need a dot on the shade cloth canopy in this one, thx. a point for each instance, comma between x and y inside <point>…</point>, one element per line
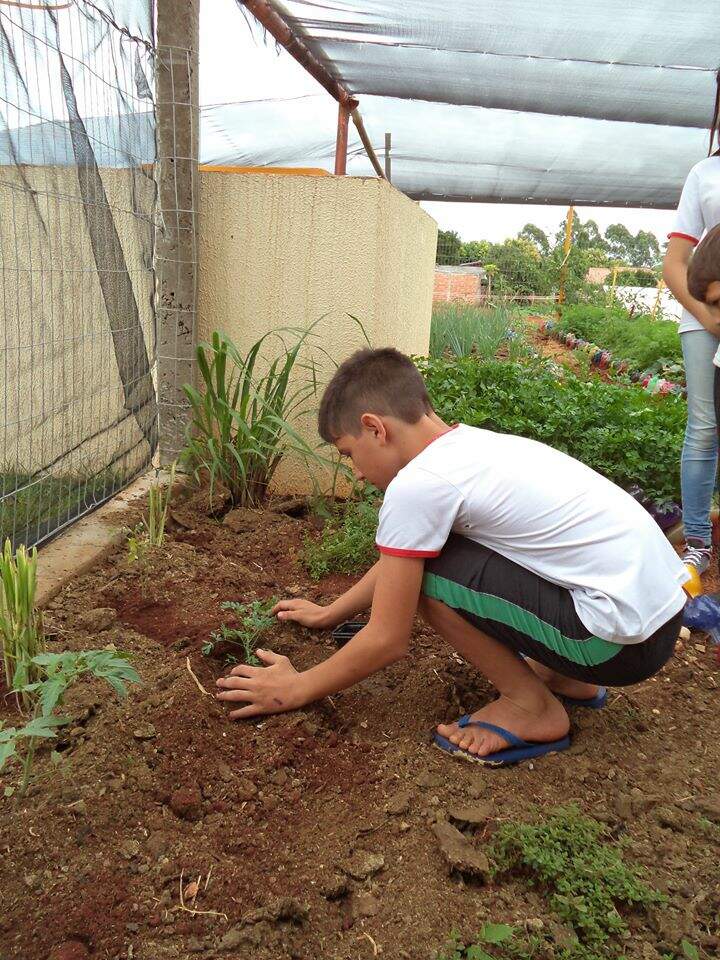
<point>499,100</point>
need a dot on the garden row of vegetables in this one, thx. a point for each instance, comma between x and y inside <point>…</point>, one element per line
<point>639,347</point>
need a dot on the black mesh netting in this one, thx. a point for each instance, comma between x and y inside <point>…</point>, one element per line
<point>77,202</point>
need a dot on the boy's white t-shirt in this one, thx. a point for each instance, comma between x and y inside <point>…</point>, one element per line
<point>698,212</point>
<point>548,513</point>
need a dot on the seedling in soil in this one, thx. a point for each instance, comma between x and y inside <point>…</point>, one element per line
<point>255,620</point>
<point>21,626</point>
<point>570,858</point>
<point>60,671</point>
<point>150,532</point>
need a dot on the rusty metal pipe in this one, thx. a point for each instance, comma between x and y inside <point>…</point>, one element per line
<point>279,28</point>
<point>341,144</point>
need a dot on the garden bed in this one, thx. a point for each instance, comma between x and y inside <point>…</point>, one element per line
<point>311,832</point>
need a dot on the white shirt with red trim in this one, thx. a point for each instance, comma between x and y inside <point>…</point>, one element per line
<point>548,513</point>
<point>698,212</point>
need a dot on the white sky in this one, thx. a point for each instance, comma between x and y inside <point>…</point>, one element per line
<point>236,65</point>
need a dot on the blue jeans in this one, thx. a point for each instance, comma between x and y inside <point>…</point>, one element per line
<point>698,465</point>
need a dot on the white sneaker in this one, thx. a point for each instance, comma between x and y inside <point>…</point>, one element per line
<point>697,554</point>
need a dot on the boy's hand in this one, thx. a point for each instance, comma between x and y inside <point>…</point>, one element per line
<point>270,689</point>
<point>302,611</point>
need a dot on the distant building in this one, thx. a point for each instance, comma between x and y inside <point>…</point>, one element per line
<point>465,283</point>
<point>601,275</point>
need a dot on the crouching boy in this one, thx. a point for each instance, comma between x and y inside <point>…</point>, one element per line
<point>544,575</point>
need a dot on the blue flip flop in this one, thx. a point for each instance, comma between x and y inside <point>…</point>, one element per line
<point>518,751</point>
<point>592,703</point>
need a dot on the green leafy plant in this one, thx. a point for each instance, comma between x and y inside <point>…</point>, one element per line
<point>491,934</point>
<point>59,671</point>
<point>620,431</point>
<point>570,858</point>
<point>255,620</point>
<point>461,330</point>
<point>150,532</point>
<point>20,620</point>
<point>241,419</point>
<point>347,542</point>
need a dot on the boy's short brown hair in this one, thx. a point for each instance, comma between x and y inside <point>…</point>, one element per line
<point>704,266</point>
<point>384,382</point>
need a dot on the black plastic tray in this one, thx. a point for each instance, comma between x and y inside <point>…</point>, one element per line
<point>346,631</point>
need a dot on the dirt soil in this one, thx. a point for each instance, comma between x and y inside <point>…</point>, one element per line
<point>168,831</point>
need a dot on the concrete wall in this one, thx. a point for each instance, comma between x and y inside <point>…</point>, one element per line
<point>280,251</point>
<point>59,381</point>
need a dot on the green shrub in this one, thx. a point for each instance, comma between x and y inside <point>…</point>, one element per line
<point>347,543</point>
<point>619,431</point>
<point>570,859</point>
<point>645,343</point>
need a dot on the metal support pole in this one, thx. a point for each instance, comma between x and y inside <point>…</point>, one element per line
<point>178,32</point>
<point>341,145</point>
<point>567,246</point>
<point>362,132</point>
<point>388,144</point>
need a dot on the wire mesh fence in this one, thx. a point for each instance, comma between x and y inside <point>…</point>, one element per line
<point>77,211</point>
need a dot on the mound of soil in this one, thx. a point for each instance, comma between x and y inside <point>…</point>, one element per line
<point>165,830</point>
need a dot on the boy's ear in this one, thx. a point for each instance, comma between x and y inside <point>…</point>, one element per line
<point>375,424</point>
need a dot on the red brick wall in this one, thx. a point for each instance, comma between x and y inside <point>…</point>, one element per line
<point>457,287</point>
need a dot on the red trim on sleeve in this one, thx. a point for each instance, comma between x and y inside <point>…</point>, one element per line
<point>396,552</point>
<point>684,236</point>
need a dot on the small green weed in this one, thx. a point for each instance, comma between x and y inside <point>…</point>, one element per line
<point>255,620</point>
<point>583,875</point>
<point>491,934</point>
<point>59,671</point>
<point>347,543</point>
<point>150,532</point>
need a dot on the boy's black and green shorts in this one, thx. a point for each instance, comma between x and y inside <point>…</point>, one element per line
<point>536,618</point>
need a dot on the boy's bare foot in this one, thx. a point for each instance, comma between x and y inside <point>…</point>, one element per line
<point>565,686</point>
<point>550,723</point>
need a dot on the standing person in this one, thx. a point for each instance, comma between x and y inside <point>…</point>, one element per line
<point>698,212</point>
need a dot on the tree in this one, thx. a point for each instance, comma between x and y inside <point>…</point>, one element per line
<point>536,236</point>
<point>475,250</point>
<point>585,236</point>
<point>519,267</point>
<point>647,249</point>
<point>448,247</point>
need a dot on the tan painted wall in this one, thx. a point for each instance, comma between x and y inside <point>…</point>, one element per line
<point>59,381</point>
<point>285,251</point>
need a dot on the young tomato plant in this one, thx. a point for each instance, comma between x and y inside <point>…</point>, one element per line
<point>254,620</point>
<point>59,671</point>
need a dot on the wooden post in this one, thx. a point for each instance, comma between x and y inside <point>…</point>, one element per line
<point>567,246</point>
<point>388,163</point>
<point>341,145</point>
